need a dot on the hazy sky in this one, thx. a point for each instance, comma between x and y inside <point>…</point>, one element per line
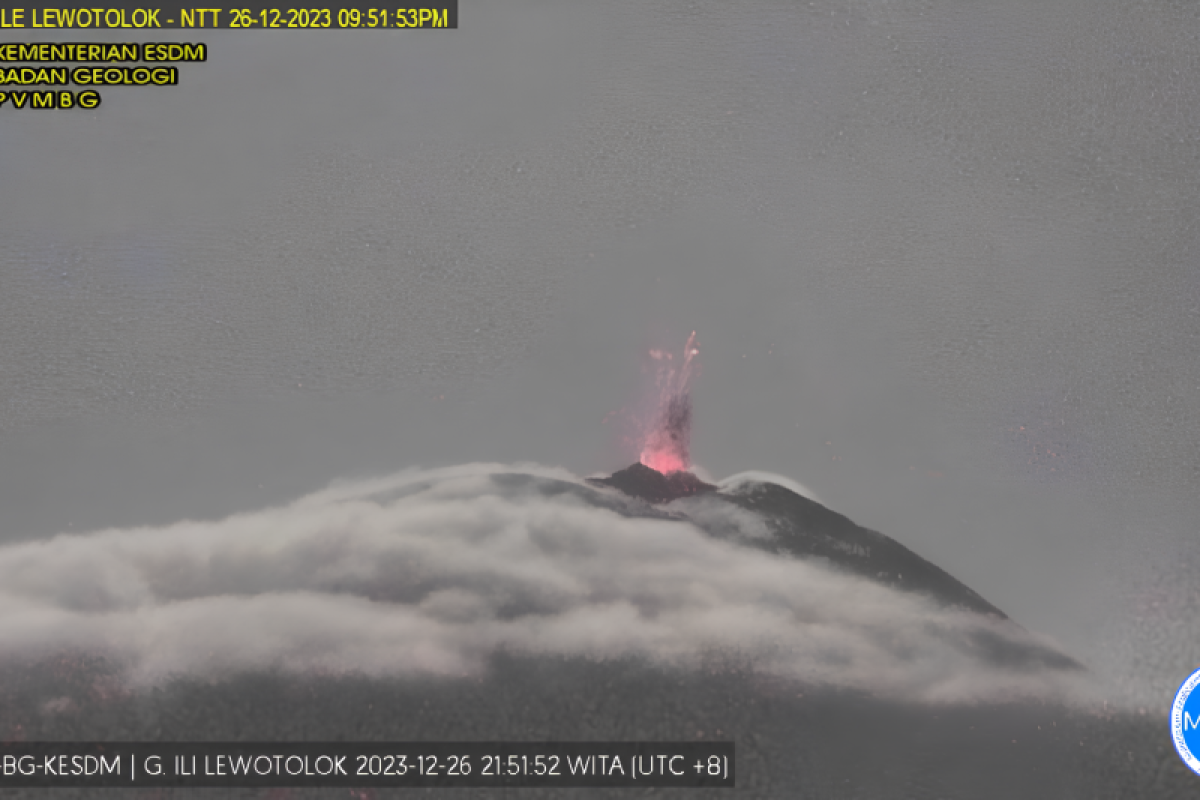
<point>940,258</point>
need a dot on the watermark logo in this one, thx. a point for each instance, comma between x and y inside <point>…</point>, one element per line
<point>1185,722</point>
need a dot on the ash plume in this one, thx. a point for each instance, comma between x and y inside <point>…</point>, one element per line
<point>667,441</point>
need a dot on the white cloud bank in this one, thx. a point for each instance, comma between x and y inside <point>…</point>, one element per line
<point>758,476</point>
<point>431,572</point>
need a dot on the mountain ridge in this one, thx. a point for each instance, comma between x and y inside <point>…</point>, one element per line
<point>803,528</point>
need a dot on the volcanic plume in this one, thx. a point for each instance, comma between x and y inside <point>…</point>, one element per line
<point>666,442</point>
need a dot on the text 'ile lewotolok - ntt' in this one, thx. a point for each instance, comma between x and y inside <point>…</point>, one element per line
<point>427,14</point>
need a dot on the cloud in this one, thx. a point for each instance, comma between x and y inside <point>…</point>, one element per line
<point>733,482</point>
<point>432,572</point>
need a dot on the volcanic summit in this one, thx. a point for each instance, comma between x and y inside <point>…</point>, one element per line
<point>638,480</point>
<point>799,527</point>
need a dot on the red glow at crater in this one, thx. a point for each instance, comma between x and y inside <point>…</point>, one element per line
<point>666,441</point>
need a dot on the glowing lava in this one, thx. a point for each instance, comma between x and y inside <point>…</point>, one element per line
<point>666,443</point>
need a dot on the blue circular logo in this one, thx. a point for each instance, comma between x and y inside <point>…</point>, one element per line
<point>1185,722</point>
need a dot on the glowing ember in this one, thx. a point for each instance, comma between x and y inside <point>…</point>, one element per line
<point>665,446</point>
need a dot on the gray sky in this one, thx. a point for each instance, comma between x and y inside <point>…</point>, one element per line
<point>940,258</point>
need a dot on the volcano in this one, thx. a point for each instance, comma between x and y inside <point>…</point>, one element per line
<point>803,528</point>
<point>494,602</point>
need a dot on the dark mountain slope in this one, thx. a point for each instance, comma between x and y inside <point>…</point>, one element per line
<point>806,529</point>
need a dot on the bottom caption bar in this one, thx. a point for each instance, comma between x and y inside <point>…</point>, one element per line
<point>366,764</point>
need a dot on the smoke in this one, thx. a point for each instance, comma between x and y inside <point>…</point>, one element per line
<point>667,441</point>
<point>433,572</point>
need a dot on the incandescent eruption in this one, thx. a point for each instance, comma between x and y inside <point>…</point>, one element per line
<point>665,446</point>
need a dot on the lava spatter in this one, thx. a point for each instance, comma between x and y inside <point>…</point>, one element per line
<point>666,443</point>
